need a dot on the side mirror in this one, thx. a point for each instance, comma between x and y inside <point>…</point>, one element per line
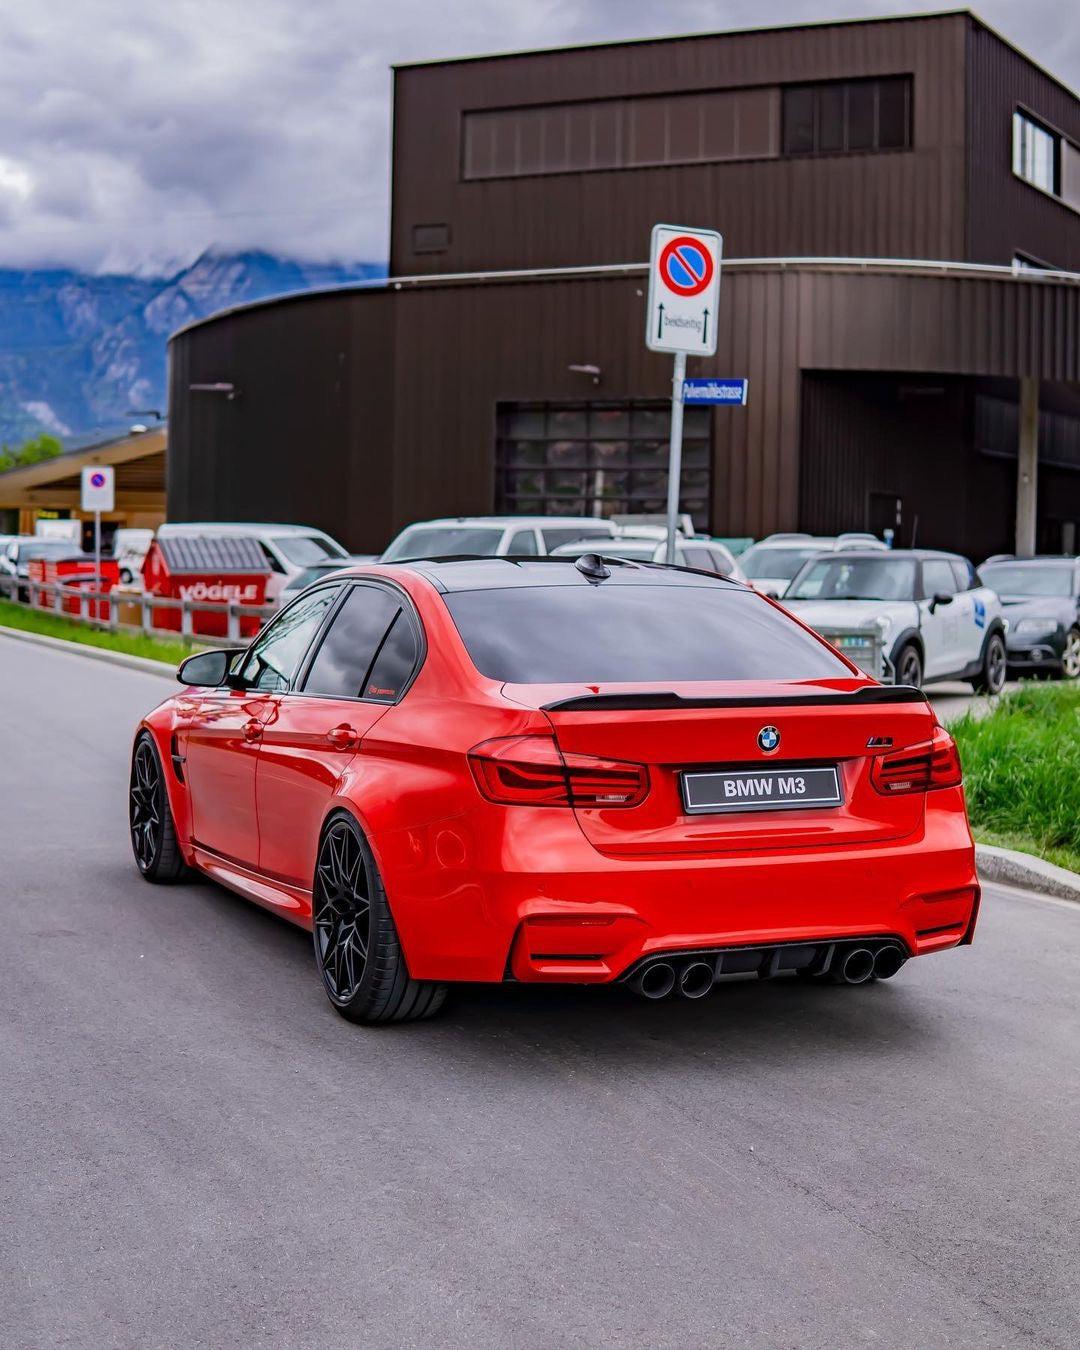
<point>205,670</point>
<point>940,598</point>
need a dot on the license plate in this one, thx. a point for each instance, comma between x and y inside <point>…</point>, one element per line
<point>776,789</point>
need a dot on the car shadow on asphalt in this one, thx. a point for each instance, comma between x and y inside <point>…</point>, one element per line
<point>780,1018</point>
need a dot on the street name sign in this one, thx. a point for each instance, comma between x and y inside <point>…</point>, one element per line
<point>715,391</point>
<point>98,488</point>
<point>684,290</point>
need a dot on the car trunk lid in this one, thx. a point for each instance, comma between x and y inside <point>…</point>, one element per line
<point>716,728</point>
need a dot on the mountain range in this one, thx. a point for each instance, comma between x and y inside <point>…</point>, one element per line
<point>78,352</point>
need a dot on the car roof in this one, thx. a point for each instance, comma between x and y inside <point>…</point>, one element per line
<point>506,522</point>
<point>912,554</point>
<point>482,574</point>
<point>234,527</point>
<point>1065,559</point>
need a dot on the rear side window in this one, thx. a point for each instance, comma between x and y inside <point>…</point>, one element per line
<point>634,633</point>
<point>344,658</point>
<point>395,661</point>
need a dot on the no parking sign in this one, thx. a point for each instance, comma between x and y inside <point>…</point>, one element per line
<point>684,290</point>
<point>98,488</point>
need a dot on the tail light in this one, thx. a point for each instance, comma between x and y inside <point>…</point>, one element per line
<point>919,768</point>
<point>531,771</point>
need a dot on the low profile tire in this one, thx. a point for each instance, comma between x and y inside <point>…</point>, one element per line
<point>909,666</point>
<point>991,678</point>
<point>153,831</point>
<point>357,949</point>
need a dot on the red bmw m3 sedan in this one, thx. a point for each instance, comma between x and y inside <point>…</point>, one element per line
<point>545,770</point>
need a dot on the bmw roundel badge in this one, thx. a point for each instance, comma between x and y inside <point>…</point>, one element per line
<point>768,739</point>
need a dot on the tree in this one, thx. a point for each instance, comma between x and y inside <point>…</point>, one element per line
<point>32,451</point>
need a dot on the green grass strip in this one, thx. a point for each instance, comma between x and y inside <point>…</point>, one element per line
<point>1022,771</point>
<point>170,650</point>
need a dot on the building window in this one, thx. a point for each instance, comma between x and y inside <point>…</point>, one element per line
<point>846,115</point>
<point>621,133</point>
<point>1035,153</point>
<point>598,459</point>
<point>430,238</point>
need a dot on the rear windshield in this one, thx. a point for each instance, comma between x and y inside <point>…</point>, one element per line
<point>779,563</point>
<point>637,633</point>
<point>447,541</point>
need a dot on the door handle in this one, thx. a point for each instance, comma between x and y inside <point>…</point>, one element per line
<point>252,730</point>
<point>342,737</point>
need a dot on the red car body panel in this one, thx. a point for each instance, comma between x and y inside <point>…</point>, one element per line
<point>480,890</point>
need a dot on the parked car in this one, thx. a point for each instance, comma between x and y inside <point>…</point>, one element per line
<point>130,547</point>
<point>310,575</point>
<point>288,549</point>
<point>491,536</point>
<point>1041,602</point>
<point>931,616</point>
<point>16,557</point>
<point>704,554</point>
<point>555,771</point>
<point>772,562</point>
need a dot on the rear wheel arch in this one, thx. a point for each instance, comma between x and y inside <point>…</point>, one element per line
<point>909,638</point>
<point>384,991</point>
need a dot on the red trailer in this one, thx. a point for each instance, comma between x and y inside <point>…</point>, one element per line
<point>208,569</point>
<point>78,573</point>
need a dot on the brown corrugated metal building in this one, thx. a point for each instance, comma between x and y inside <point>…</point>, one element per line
<point>900,202</point>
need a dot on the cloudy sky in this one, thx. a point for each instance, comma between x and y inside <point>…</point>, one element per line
<point>133,135</point>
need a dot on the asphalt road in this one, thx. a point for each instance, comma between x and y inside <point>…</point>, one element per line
<point>195,1151</point>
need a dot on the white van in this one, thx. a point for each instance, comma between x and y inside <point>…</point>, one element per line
<point>288,549</point>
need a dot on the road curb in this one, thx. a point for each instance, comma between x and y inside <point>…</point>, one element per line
<point>1023,869</point>
<point>140,663</point>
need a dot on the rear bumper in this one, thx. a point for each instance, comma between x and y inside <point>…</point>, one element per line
<point>539,903</point>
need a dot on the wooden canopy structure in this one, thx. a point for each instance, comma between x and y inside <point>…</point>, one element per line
<point>55,484</point>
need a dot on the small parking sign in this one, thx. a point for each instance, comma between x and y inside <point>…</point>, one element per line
<point>98,488</point>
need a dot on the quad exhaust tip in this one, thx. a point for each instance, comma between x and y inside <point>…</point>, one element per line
<point>888,961</point>
<point>855,966</point>
<point>656,981</point>
<point>694,978</point>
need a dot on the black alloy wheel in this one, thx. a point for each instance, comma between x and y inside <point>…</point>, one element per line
<point>991,679</point>
<point>909,666</point>
<point>357,949</point>
<point>153,833</point>
<point>342,918</point>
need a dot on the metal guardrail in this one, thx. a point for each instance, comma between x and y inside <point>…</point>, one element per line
<point>92,604</point>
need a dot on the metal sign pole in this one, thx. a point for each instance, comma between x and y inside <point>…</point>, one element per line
<point>96,610</point>
<point>675,458</point>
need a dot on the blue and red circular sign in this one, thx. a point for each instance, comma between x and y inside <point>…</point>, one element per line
<point>97,479</point>
<point>686,265</point>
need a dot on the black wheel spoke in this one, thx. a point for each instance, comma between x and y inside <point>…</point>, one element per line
<point>146,806</point>
<point>341,912</point>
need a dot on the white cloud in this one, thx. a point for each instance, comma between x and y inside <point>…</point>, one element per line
<point>133,136</point>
